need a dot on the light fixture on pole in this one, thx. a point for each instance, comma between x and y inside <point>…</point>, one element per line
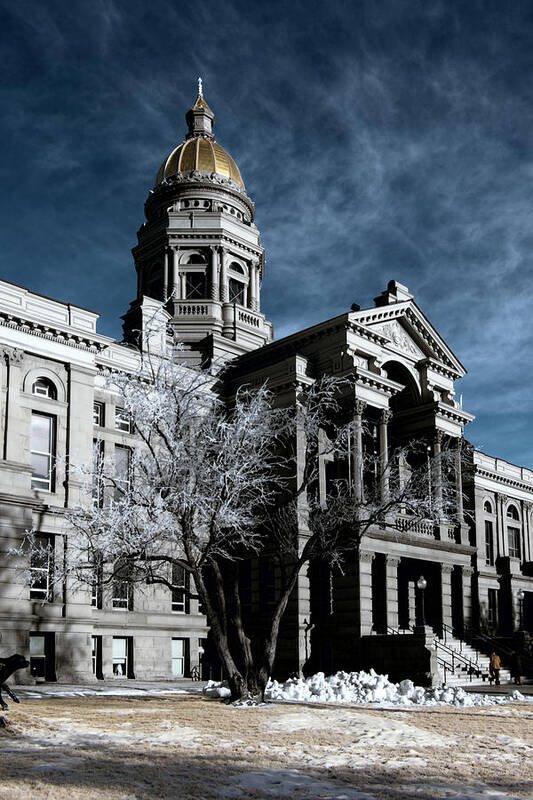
<point>421,585</point>
<point>520,598</point>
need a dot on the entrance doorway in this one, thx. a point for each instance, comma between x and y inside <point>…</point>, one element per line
<point>43,656</point>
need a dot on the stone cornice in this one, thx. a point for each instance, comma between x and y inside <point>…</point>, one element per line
<point>69,336</point>
<point>506,480</point>
<point>454,413</point>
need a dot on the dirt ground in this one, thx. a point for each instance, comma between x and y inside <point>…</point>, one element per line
<point>191,747</point>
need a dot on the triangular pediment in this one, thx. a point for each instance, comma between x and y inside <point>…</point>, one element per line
<point>409,332</point>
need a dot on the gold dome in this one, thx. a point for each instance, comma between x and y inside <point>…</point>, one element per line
<point>202,154</point>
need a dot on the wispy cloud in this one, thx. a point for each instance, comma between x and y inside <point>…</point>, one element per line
<point>377,140</point>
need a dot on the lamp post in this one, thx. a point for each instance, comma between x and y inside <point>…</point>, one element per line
<point>421,585</point>
<point>520,598</point>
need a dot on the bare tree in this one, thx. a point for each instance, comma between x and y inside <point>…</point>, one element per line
<point>214,484</point>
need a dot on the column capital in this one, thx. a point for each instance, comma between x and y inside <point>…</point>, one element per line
<point>14,355</point>
<point>360,406</point>
<point>446,569</point>
<point>366,557</point>
<point>385,416</point>
<point>392,561</point>
<point>438,437</point>
<point>468,572</point>
<point>502,498</point>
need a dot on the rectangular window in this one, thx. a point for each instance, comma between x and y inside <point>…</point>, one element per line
<point>97,656</point>
<point>179,657</point>
<point>99,414</point>
<point>98,573</point>
<point>195,286</point>
<point>122,587</point>
<point>180,582</point>
<point>489,543</point>
<point>236,292</point>
<point>513,538</point>
<point>98,463</point>
<point>42,451</point>
<point>120,657</point>
<point>122,470</point>
<point>42,568</point>
<point>122,420</point>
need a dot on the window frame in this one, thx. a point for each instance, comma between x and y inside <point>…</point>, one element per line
<point>50,392</point>
<point>180,600</point>
<point>123,420</point>
<point>40,484</point>
<point>99,414</point>
<point>47,548</point>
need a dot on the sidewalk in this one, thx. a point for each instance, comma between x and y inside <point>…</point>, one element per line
<point>111,687</point>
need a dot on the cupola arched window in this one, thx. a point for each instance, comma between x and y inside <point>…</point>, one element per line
<point>196,278</point>
<point>487,508</point>
<point>237,284</point>
<point>43,387</point>
<point>513,531</point>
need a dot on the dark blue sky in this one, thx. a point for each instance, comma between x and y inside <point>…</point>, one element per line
<point>379,140</point>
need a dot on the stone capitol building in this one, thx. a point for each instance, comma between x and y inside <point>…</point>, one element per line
<point>199,261</point>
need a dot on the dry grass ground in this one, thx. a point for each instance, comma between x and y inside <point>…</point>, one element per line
<point>101,748</point>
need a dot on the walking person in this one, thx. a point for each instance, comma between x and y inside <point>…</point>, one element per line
<point>495,666</point>
<point>515,666</point>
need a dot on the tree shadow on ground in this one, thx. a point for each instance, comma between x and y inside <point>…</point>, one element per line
<point>102,770</point>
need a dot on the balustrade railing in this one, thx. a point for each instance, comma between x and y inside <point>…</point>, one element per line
<point>411,525</point>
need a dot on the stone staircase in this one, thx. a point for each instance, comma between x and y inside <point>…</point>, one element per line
<point>461,664</point>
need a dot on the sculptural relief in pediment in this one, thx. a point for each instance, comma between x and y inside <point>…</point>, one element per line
<point>399,338</point>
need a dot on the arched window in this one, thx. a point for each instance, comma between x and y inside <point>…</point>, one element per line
<point>513,531</point>
<point>43,387</point>
<point>487,508</point>
<point>196,258</point>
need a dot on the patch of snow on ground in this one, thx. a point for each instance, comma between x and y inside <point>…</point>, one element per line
<point>361,728</point>
<point>290,783</point>
<point>369,687</point>
<point>110,691</point>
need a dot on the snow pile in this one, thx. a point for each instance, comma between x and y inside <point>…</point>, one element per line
<point>216,689</point>
<point>369,687</point>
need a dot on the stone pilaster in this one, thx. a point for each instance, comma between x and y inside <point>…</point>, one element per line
<point>15,422</point>
<point>501,502</point>
<point>467,573</point>
<point>446,594</point>
<point>459,480</point>
<point>364,576</point>
<point>391,591</point>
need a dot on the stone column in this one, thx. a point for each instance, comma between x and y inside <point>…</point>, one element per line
<point>384,420</point>
<point>437,449</point>
<point>391,591</point>
<point>459,480</point>
<point>176,282</point>
<point>252,287</point>
<point>357,452</point>
<point>167,272</point>
<point>258,287</point>
<point>527,531</point>
<point>467,573</point>
<point>215,287</point>
<point>365,593</point>
<point>446,594</point>
<point>224,288</point>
